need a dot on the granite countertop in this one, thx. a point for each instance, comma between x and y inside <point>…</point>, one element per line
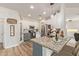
<point>49,43</point>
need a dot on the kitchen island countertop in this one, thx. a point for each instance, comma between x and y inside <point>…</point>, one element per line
<point>49,43</point>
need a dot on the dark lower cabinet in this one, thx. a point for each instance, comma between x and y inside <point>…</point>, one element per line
<point>27,36</point>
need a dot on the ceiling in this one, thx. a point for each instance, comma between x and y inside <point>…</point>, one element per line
<point>24,9</point>
<point>71,9</point>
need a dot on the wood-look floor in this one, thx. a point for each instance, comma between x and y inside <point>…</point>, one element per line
<point>24,49</point>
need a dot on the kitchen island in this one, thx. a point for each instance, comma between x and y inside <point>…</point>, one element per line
<point>49,43</point>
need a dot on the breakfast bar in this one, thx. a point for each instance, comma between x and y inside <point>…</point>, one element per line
<point>50,43</point>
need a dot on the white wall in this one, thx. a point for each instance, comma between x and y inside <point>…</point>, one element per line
<point>26,22</point>
<point>72,25</point>
<point>8,40</point>
<point>51,21</point>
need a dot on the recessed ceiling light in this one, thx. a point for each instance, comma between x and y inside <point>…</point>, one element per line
<point>32,7</point>
<point>44,12</point>
<point>42,20</point>
<point>29,15</point>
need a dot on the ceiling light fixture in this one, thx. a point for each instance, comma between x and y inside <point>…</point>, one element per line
<point>42,20</point>
<point>32,7</point>
<point>44,12</point>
